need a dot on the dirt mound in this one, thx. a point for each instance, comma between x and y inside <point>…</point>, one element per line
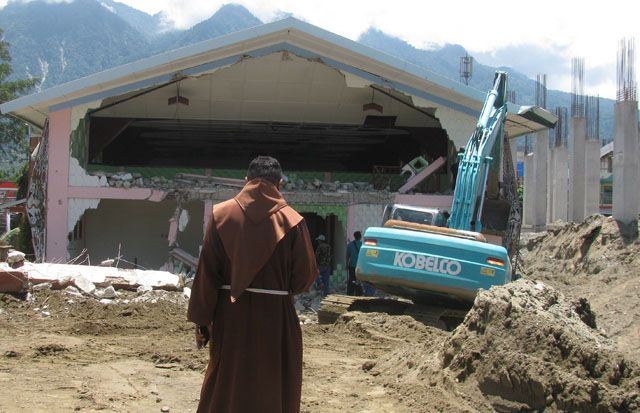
<point>597,259</point>
<point>598,244</point>
<point>529,347</point>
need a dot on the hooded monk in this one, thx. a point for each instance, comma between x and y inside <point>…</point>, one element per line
<point>256,255</point>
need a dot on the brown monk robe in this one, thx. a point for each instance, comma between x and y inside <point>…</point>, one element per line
<point>254,240</point>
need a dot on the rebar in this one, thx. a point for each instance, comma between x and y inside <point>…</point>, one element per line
<point>562,127</point>
<point>593,117</point>
<point>577,87</point>
<point>626,79</point>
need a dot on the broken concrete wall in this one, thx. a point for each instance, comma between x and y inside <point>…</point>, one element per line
<point>78,148</point>
<point>139,229</point>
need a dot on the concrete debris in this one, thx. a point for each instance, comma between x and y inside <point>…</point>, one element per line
<point>99,282</point>
<point>42,286</point>
<point>15,257</point>
<point>84,284</point>
<point>194,181</point>
<point>12,281</point>
<point>107,293</point>
<point>107,263</point>
<point>186,291</point>
<point>71,290</point>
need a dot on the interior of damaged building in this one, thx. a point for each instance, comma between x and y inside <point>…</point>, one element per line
<point>127,165</point>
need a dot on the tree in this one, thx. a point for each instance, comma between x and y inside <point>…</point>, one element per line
<point>13,142</point>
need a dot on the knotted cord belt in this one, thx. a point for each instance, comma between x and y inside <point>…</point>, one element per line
<point>258,290</point>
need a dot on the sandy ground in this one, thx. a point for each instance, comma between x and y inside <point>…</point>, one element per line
<point>60,352</point>
<point>87,356</point>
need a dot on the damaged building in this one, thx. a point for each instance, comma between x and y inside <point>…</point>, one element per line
<point>132,159</point>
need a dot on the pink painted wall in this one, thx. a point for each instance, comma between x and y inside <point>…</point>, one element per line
<point>57,185</point>
<point>87,192</point>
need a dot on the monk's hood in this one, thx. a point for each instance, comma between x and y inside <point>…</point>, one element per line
<point>250,226</point>
<point>259,199</point>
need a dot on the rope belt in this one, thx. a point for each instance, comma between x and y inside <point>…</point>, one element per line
<point>258,290</point>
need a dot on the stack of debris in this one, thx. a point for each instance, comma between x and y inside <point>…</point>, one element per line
<point>194,181</point>
<point>98,282</point>
<point>529,348</point>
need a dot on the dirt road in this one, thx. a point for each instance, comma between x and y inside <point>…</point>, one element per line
<point>64,353</point>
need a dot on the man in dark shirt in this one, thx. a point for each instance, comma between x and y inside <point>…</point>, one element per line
<point>323,260</point>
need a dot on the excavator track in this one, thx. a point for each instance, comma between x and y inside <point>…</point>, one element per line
<point>335,305</point>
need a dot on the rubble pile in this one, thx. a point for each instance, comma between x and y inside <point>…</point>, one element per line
<point>599,244</point>
<point>96,281</point>
<point>597,259</point>
<point>530,348</point>
<point>191,181</point>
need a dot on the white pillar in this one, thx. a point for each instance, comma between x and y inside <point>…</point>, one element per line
<point>625,162</point>
<point>560,183</point>
<point>541,150</point>
<point>8,218</point>
<point>578,136</point>
<point>592,172</point>
<point>529,189</point>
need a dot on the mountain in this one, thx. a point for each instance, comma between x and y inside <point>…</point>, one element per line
<point>58,42</point>
<point>229,18</point>
<point>150,26</point>
<point>446,60</point>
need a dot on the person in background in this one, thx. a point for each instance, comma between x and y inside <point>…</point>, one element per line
<point>256,256</point>
<point>353,249</point>
<point>323,260</point>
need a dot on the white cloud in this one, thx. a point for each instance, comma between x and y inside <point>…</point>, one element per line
<point>589,28</point>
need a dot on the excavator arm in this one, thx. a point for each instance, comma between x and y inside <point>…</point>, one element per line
<point>474,162</point>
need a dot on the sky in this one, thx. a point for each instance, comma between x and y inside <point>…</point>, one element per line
<point>534,37</point>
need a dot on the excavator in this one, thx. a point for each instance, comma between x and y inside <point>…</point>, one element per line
<point>443,265</point>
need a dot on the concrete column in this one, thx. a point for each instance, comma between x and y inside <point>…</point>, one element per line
<point>560,183</point>
<point>625,162</point>
<point>58,185</point>
<point>513,146</point>
<point>578,137</point>
<point>592,171</point>
<point>541,151</point>
<point>529,190</point>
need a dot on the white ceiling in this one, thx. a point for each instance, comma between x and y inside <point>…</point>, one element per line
<point>279,87</point>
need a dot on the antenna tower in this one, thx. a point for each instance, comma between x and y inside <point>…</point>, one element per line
<point>466,69</point>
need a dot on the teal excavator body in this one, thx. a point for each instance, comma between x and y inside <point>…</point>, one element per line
<point>430,263</point>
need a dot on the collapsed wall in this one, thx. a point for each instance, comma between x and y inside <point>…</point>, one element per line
<point>530,348</point>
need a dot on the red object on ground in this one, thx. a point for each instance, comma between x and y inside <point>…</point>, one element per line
<point>13,281</point>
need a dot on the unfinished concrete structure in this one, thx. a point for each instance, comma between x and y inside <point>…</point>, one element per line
<point>540,162</point>
<point>592,156</point>
<point>577,141</point>
<point>559,170</point>
<point>536,174</point>
<point>625,141</point>
<point>132,159</point>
